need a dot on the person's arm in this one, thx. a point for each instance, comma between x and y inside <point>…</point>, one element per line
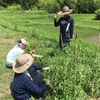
<point>38,67</point>
<point>56,23</point>
<point>71,29</point>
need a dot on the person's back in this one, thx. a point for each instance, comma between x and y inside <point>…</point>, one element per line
<point>23,87</point>
<point>13,53</point>
<point>18,87</point>
<point>11,56</point>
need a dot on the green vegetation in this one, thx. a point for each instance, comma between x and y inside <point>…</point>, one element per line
<point>54,6</point>
<point>75,70</point>
<point>79,6</point>
<point>97,14</point>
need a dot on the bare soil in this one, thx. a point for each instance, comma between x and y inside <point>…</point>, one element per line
<point>10,41</point>
<point>94,39</point>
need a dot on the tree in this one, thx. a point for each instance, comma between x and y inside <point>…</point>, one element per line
<point>2,3</point>
<point>96,4</point>
<point>70,3</point>
<point>85,6</point>
<point>97,12</point>
<point>27,4</point>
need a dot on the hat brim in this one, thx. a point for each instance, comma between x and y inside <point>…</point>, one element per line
<point>65,13</point>
<point>21,69</point>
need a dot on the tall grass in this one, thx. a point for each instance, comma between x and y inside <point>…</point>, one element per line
<point>71,69</point>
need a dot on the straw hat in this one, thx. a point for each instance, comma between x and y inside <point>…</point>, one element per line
<point>65,11</point>
<point>23,62</point>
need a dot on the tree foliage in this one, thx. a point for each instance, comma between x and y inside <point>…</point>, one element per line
<point>97,14</point>
<point>79,6</point>
<point>85,6</point>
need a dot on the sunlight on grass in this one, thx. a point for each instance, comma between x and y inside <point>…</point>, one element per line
<point>38,29</point>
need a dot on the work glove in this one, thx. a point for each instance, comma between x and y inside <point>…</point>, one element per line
<point>46,69</point>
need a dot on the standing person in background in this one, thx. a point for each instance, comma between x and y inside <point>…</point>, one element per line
<point>66,24</point>
<point>15,51</point>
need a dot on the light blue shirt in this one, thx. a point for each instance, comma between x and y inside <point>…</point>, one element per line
<point>13,53</point>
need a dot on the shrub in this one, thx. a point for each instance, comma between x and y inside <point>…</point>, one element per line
<point>97,12</point>
<point>52,8</point>
<point>2,8</point>
<point>14,7</point>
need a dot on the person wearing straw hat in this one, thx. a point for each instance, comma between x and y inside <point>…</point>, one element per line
<point>23,86</point>
<point>66,24</point>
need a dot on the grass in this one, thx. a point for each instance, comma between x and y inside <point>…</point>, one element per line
<point>37,28</point>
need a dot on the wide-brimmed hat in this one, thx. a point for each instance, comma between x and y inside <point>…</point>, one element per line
<point>23,62</point>
<point>65,11</point>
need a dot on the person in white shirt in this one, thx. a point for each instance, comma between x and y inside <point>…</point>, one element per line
<point>16,51</point>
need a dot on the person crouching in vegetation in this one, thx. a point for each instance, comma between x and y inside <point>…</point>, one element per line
<point>23,86</point>
<point>66,24</point>
<point>15,51</point>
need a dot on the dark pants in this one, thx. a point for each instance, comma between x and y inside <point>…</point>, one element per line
<point>63,42</point>
<point>37,79</point>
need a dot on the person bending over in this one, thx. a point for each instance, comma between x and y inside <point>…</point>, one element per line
<point>15,51</point>
<point>23,86</point>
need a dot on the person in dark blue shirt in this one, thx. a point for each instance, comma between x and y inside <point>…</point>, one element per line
<point>66,24</point>
<point>25,85</point>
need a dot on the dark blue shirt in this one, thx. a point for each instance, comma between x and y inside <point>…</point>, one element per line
<point>23,86</point>
<point>62,21</point>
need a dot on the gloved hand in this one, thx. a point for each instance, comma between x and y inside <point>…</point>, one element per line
<point>40,56</point>
<point>46,69</point>
<point>50,82</point>
<point>37,56</point>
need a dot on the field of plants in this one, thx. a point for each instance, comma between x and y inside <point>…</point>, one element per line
<point>75,70</point>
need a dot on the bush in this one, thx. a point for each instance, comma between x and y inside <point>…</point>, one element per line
<point>2,8</point>
<point>97,12</point>
<point>56,7</point>
<point>14,7</point>
<point>52,8</point>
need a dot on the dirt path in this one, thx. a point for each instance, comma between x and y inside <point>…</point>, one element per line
<point>94,39</point>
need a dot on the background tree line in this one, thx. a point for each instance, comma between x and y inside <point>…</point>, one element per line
<point>53,6</point>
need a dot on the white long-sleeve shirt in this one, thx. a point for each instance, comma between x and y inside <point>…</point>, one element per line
<point>12,54</point>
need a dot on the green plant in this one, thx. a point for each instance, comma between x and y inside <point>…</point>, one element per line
<point>97,12</point>
<point>72,69</point>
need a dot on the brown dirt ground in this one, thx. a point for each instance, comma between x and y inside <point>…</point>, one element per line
<point>94,39</point>
<point>11,41</point>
